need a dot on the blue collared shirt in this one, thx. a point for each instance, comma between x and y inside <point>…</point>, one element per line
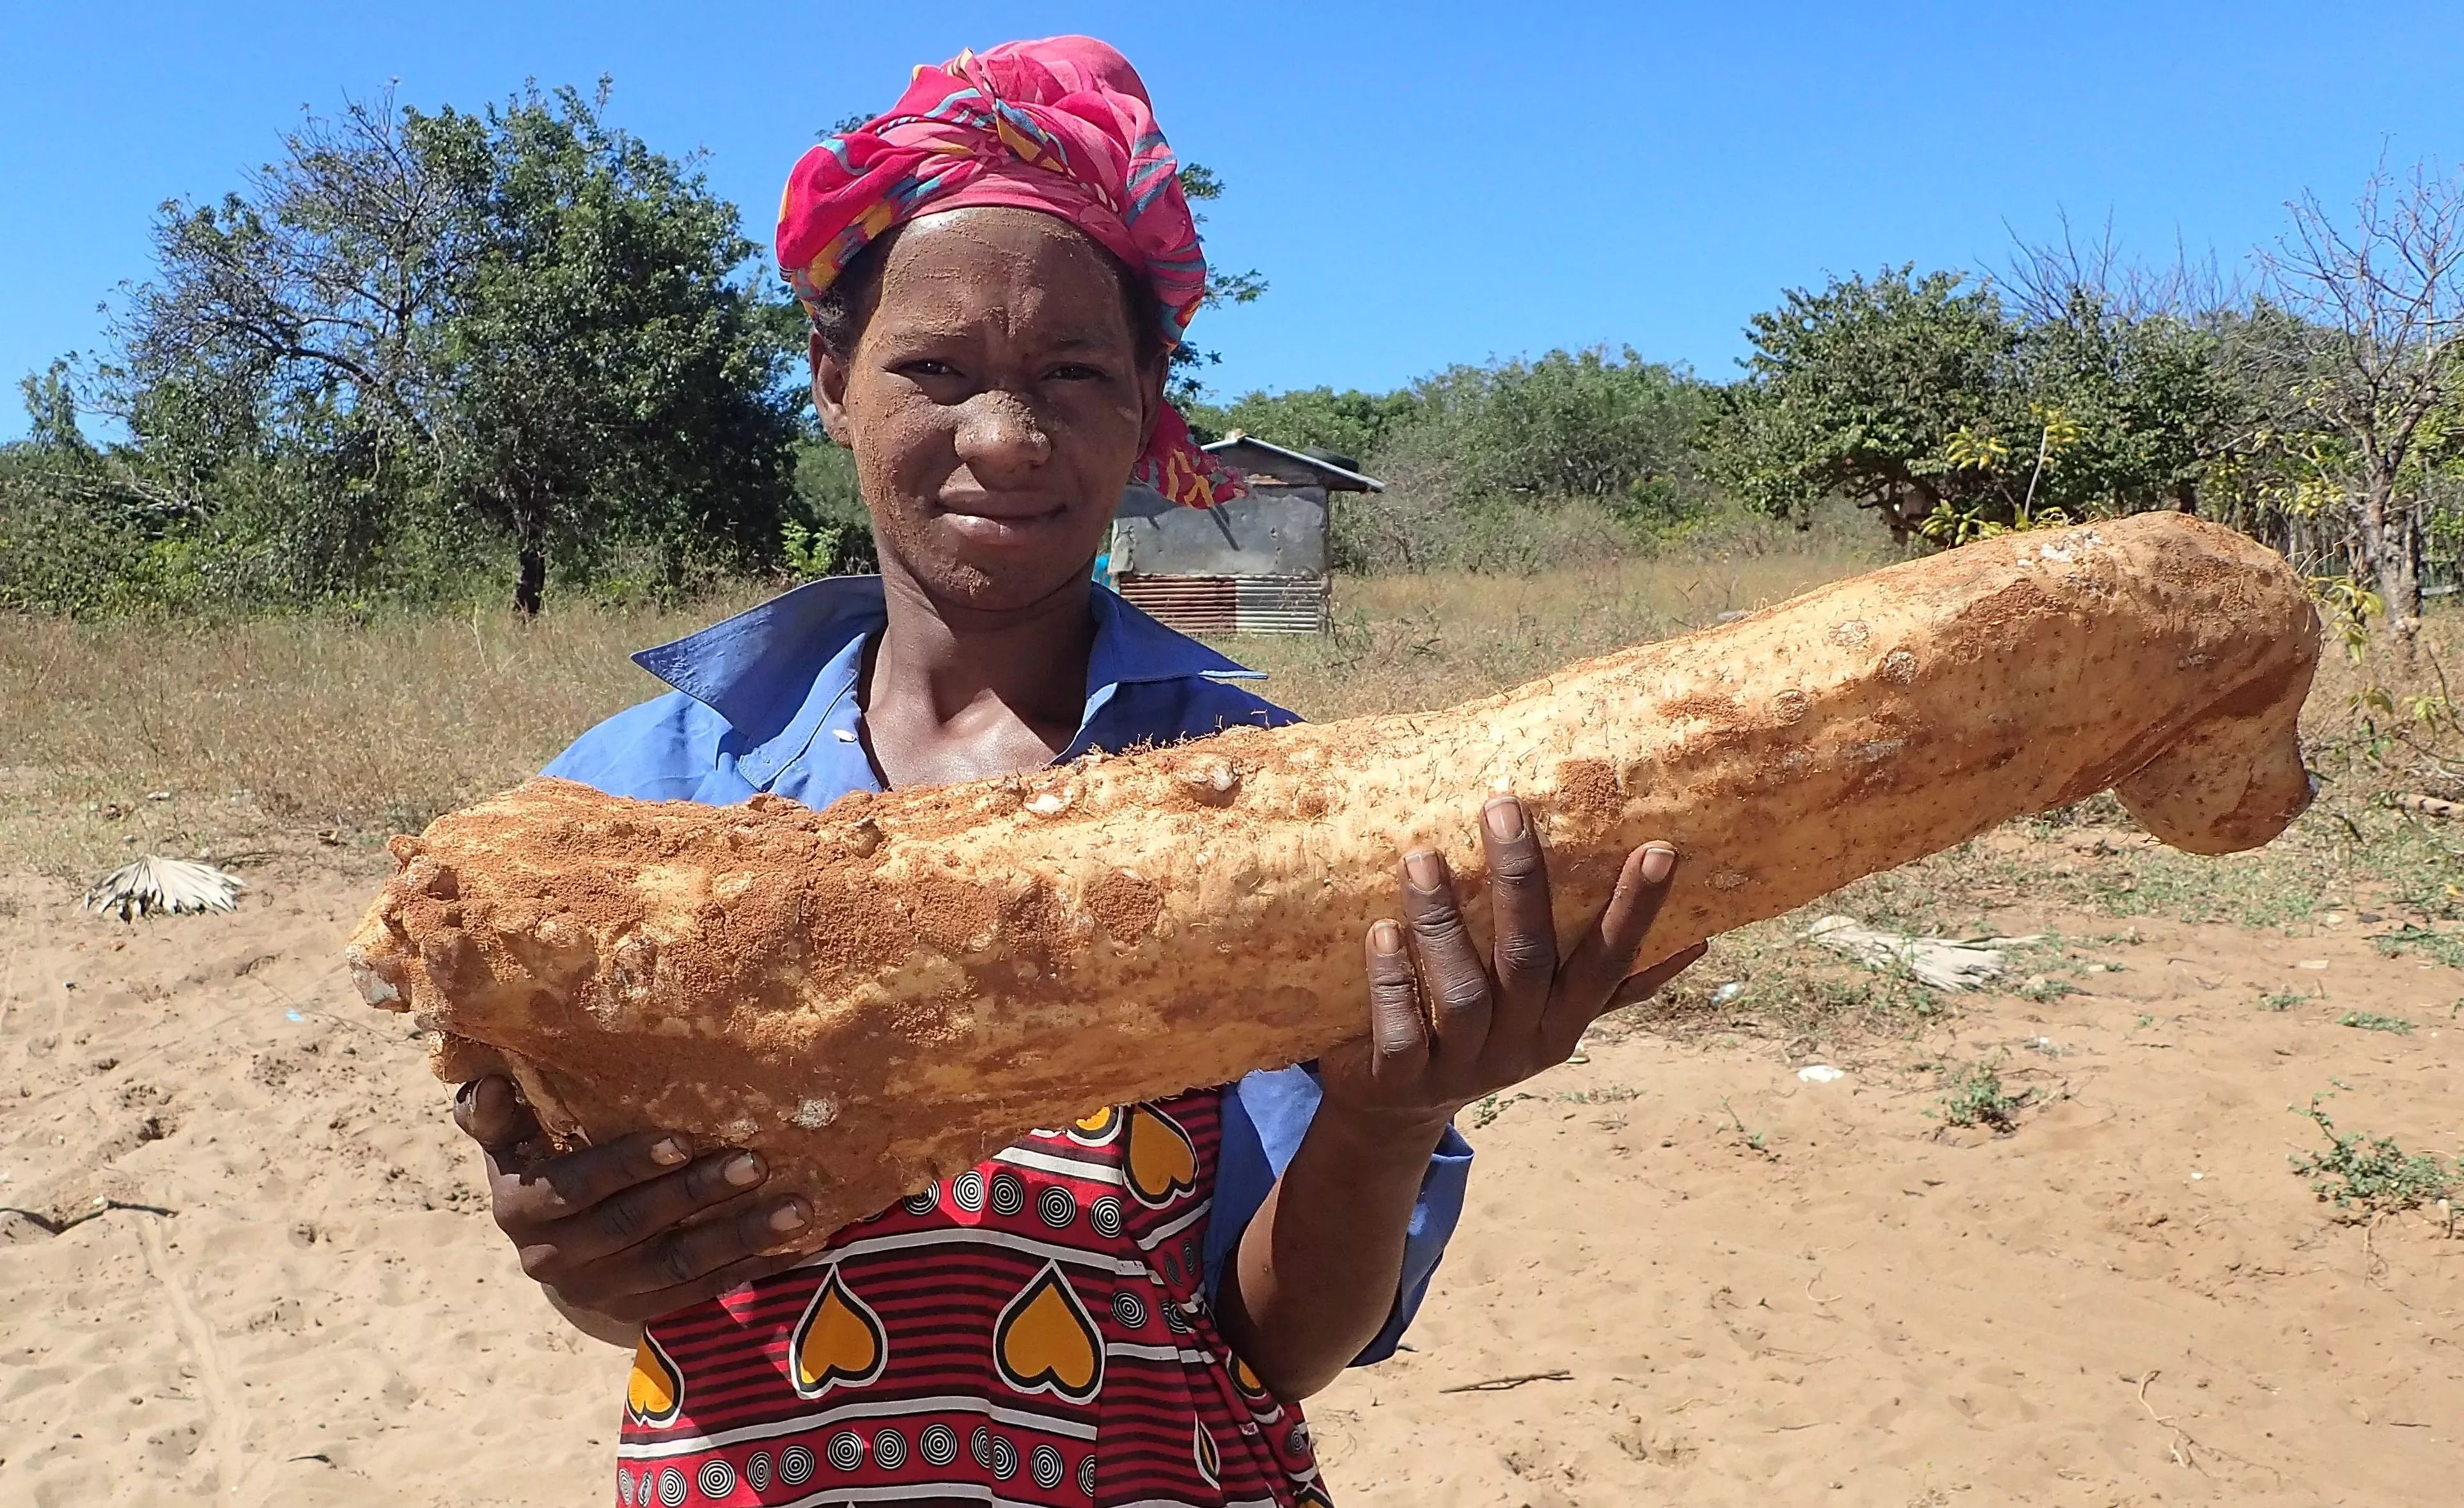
<point>766,701</point>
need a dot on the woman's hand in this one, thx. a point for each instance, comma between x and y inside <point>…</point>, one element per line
<point>624,1231</point>
<point>1446,1025</point>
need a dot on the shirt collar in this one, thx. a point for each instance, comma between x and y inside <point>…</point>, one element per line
<point>756,669</point>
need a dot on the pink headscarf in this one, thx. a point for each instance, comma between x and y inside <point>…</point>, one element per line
<point>1062,125</point>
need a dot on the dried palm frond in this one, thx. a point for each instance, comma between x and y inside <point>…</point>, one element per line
<point>155,883</point>
<point>1936,961</point>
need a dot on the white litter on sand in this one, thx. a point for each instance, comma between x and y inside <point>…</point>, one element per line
<point>1821,1073</point>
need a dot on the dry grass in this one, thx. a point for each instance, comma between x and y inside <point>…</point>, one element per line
<point>253,737</point>
<point>1406,643</point>
<point>260,734</point>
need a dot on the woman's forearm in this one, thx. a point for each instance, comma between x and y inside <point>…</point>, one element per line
<point>1318,1268</point>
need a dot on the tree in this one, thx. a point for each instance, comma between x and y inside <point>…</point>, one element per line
<point>604,374</point>
<point>1199,184</point>
<point>1618,431</point>
<point>2377,307</point>
<point>1351,423</point>
<point>1879,390</point>
<point>520,319</point>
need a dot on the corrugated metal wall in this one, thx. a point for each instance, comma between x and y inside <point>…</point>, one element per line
<point>1231,605</point>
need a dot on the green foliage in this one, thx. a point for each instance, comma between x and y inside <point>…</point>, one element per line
<point>829,532</point>
<point>1858,392</point>
<point>2446,948</point>
<point>2372,1021</point>
<point>2372,1176</point>
<point>1976,1097</point>
<point>420,349</point>
<point>1351,423</point>
<point>1615,430</point>
<point>1926,399</point>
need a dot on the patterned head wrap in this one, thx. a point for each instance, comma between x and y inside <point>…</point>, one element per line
<point>1062,125</point>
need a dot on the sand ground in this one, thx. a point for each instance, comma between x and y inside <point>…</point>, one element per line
<point>292,1296</point>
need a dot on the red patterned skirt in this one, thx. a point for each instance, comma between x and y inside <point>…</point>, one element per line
<point>1033,1331</point>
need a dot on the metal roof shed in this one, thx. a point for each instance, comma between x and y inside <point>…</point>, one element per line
<point>1254,565</point>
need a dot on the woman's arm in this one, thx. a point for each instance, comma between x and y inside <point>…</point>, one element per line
<point>1316,1273</point>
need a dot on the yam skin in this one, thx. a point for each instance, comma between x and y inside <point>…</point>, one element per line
<point>888,991</point>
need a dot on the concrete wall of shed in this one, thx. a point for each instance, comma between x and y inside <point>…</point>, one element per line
<point>1277,530</point>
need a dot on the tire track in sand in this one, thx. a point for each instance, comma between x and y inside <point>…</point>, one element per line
<point>227,1426</point>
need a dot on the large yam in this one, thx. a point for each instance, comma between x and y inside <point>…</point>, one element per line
<point>886,991</point>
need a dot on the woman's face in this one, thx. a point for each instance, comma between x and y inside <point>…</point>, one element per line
<point>995,405</point>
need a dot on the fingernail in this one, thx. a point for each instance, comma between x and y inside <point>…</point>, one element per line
<point>1505,819</point>
<point>667,1152</point>
<point>1386,937</point>
<point>1658,860</point>
<point>1426,869</point>
<point>787,1217</point>
<point>744,1170</point>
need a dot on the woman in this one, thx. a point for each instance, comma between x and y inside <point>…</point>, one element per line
<point>1131,1308</point>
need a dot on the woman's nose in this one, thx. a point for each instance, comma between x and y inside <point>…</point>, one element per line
<point>999,433</point>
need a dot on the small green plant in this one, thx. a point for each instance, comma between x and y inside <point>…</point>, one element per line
<point>2372,1174</point>
<point>2447,948</point>
<point>1755,1141</point>
<point>2372,1021</point>
<point>1976,1097</point>
<point>1614,1094</point>
<point>2287,999</point>
<point>2044,991</point>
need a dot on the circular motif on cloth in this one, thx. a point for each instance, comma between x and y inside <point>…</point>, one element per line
<point>1005,1459</point>
<point>846,1451</point>
<point>624,1486</point>
<point>1174,1319</point>
<point>1104,1215</point>
<point>967,1190</point>
<point>756,1469</point>
<point>717,1479</point>
<point>1057,1207</point>
<point>671,1487</point>
<point>939,1445</point>
<point>1127,1309</point>
<point>1299,1441</point>
<point>889,1450</point>
<point>795,1466</point>
<point>1047,1465</point>
<point>980,1445</point>
<point>1009,1194</point>
<point>925,1201</point>
<point>1087,1476</point>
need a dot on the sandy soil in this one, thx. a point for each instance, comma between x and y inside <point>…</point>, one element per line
<point>294,1298</point>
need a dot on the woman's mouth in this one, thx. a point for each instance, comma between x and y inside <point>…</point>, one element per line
<point>987,519</point>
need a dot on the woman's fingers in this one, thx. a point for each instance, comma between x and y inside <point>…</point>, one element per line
<point>644,1306</point>
<point>1606,954</point>
<point>681,1258</point>
<point>1641,987</point>
<point>640,1213</point>
<point>1525,952</point>
<point>561,1188</point>
<point>1398,1029</point>
<point>1454,978</point>
<point>491,1114</point>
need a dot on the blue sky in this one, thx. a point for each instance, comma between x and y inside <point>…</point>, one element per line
<point>1420,184</point>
